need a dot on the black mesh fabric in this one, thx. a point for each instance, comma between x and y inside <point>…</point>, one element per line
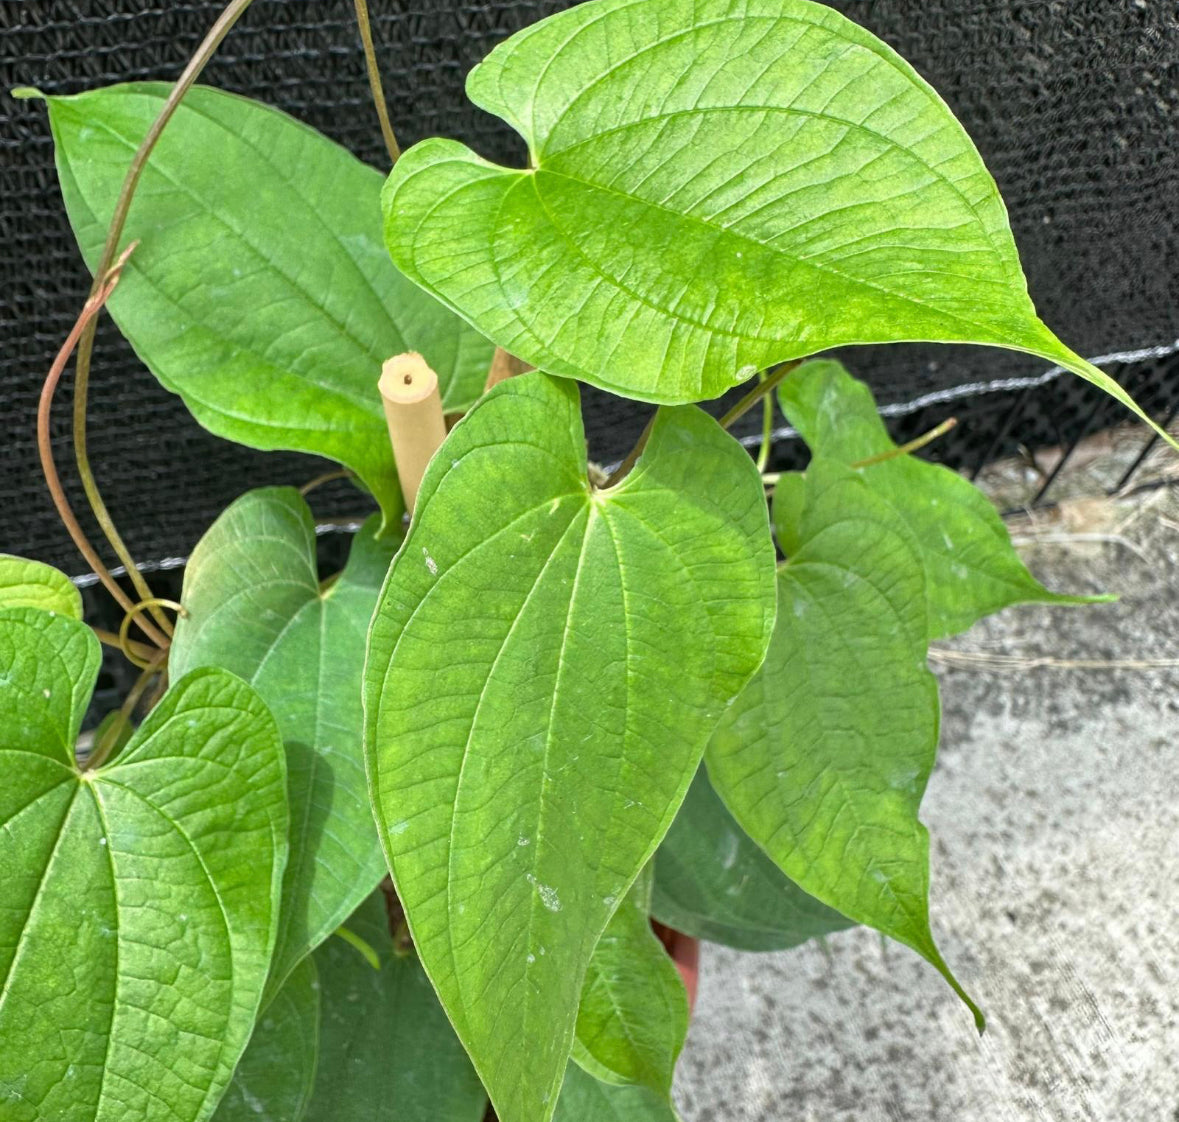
<point>1073,103</point>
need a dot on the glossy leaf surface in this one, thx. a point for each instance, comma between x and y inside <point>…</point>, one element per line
<point>713,882</point>
<point>140,901</point>
<point>586,1099</point>
<point>824,757</point>
<point>260,291</point>
<point>387,1051</point>
<point>545,667</point>
<point>254,606</point>
<point>634,1009</point>
<point>32,584</point>
<point>275,1075</point>
<point>714,186</point>
<point>971,567</point>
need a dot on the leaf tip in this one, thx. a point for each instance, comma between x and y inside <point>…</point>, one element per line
<point>27,93</point>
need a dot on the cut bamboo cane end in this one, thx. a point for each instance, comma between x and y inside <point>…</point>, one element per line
<point>413,411</point>
<point>407,379</point>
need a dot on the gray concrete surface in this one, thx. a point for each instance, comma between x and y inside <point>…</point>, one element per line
<point>1054,812</point>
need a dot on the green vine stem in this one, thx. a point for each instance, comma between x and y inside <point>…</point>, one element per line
<point>326,477</point>
<point>632,457</point>
<point>765,386</point>
<point>107,281</point>
<point>912,446</point>
<point>133,614</point>
<point>110,738</point>
<point>85,344</point>
<point>767,431</point>
<point>374,80</point>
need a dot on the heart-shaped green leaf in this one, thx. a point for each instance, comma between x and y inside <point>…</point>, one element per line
<point>260,291</point>
<point>253,605</point>
<point>387,1051</point>
<point>971,568</point>
<point>275,1075</point>
<point>824,757</point>
<point>140,899</point>
<point>634,1009</point>
<point>713,882</point>
<point>715,186</point>
<point>31,584</point>
<point>545,666</point>
<point>586,1099</point>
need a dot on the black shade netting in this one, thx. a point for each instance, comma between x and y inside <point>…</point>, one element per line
<point>1073,103</point>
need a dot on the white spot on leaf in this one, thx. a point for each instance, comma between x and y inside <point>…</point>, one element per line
<point>548,894</point>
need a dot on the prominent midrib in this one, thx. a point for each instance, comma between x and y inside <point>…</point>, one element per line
<point>225,224</point>
<point>976,329</point>
<point>467,747</point>
<point>348,394</point>
<point>39,892</point>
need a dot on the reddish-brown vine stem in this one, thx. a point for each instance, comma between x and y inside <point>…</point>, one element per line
<point>85,343</point>
<point>90,310</point>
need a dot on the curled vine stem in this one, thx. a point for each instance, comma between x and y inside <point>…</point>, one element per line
<point>85,343</point>
<point>131,615</point>
<point>143,652</point>
<point>374,80</point>
<point>94,303</point>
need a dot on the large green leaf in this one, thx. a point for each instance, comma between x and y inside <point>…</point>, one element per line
<point>254,606</point>
<point>387,1051</point>
<point>634,1008</point>
<point>31,584</point>
<point>260,292</point>
<point>971,568</point>
<point>712,881</point>
<point>140,901</point>
<point>714,186</point>
<point>545,666</point>
<point>274,1077</point>
<point>586,1099</point>
<point>824,757</point>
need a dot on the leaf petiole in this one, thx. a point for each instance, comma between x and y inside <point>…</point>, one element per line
<point>913,445</point>
<point>768,384</point>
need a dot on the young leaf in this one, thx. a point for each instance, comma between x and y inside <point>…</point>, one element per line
<point>31,584</point>
<point>545,666</point>
<point>254,606</point>
<point>634,1010</point>
<point>586,1099</point>
<point>387,1051</point>
<point>824,757</point>
<point>713,882</point>
<point>275,1075</point>
<point>971,568</point>
<point>141,899</point>
<point>260,291</point>
<point>713,187</point>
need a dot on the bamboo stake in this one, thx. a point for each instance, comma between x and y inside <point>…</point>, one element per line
<point>503,367</point>
<point>413,410</point>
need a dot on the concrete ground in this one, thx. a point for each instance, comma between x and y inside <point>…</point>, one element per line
<point>1054,812</point>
